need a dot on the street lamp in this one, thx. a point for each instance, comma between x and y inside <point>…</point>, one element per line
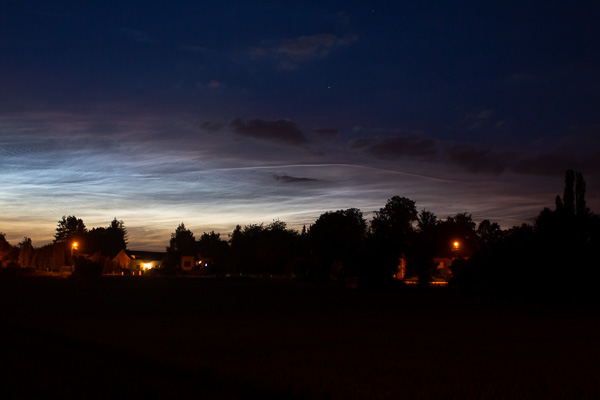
<point>455,246</point>
<point>74,247</point>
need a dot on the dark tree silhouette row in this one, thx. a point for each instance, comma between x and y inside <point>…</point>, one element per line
<point>556,251</point>
<point>71,240</point>
<point>556,256</point>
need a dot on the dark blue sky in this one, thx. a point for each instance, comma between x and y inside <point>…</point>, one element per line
<point>217,113</point>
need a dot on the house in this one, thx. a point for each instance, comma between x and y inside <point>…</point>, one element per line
<point>195,262</point>
<point>440,276</point>
<point>138,261</point>
<point>188,262</point>
<point>442,266</point>
<point>401,269</point>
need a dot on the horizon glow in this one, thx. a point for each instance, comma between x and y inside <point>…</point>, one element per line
<point>250,112</point>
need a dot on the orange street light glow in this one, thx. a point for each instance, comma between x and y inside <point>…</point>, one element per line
<point>75,244</point>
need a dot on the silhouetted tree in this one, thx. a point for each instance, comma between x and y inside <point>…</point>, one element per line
<point>555,258</point>
<point>300,266</point>
<point>26,252</point>
<point>246,249</point>
<point>212,247</point>
<point>260,249</point>
<point>50,257</point>
<point>59,255</point>
<point>506,267</point>
<point>580,203</point>
<point>34,263</point>
<point>280,242</point>
<point>8,254</point>
<point>107,241</point>
<point>391,237</point>
<point>182,243</point>
<point>43,257</point>
<point>86,268</point>
<point>571,220</point>
<point>489,233</point>
<point>424,247</point>
<point>461,229</point>
<point>394,221</point>
<point>420,262</point>
<point>337,237</point>
<point>568,200</point>
<point>182,240</point>
<point>120,232</point>
<point>573,200</point>
<point>69,228</point>
<point>427,221</point>
<point>568,236</point>
<point>558,203</point>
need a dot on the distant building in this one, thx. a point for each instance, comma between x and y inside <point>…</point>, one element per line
<point>401,269</point>
<point>135,261</point>
<point>442,264</point>
<point>440,276</point>
<point>188,262</point>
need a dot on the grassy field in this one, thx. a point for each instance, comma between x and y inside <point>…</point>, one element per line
<point>157,337</point>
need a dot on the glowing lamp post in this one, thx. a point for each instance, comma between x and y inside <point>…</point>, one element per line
<point>74,247</point>
<point>456,248</point>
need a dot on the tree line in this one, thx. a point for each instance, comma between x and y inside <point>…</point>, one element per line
<point>72,239</point>
<point>338,244</point>
<point>557,250</point>
<point>557,256</point>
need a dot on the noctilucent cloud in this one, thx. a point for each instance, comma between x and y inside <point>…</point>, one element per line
<point>218,113</point>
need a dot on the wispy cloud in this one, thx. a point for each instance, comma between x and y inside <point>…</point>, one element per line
<point>279,131</point>
<point>545,164</point>
<point>396,147</point>
<point>309,46</point>
<point>154,173</point>
<point>477,160</point>
<point>326,132</point>
<point>212,126</point>
<point>292,179</point>
<point>283,131</point>
<point>291,52</point>
<point>555,164</point>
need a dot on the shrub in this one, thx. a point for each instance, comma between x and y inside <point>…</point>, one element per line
<point>85,268</point>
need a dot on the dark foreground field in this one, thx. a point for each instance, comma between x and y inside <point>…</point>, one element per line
<point>198,338</point>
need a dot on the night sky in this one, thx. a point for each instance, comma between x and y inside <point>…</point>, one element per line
<point>217,113</point>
